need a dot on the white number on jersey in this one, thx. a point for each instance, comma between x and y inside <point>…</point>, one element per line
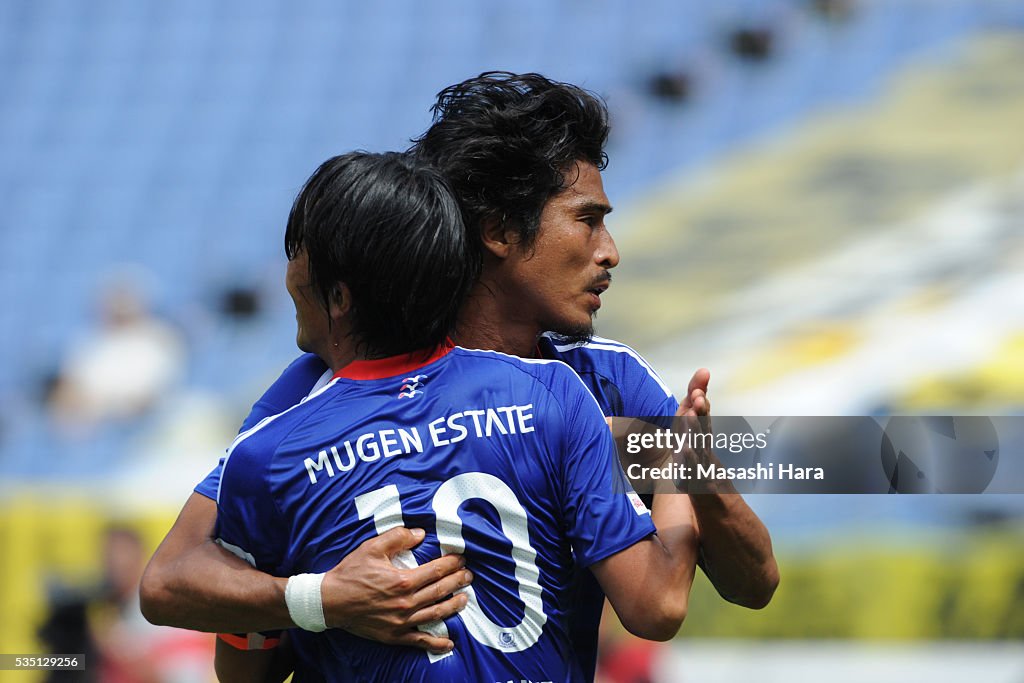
<point>385,507</point>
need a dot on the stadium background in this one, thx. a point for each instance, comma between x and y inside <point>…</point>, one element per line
<point>819,200</point>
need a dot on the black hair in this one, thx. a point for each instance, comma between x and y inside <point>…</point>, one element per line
<point>506,142</point>
<point>390,228</point>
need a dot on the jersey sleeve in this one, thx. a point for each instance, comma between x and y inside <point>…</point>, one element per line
<point>624,384</point>
<point>602,513</point>
<point>294,384</point>
<point>208,486</point>
<point>248,521</point>
<point>644,393</point>
<point>249,526</point>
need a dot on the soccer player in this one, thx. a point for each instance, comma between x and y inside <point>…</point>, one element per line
<point>508,460</point>
<point>523,154</point>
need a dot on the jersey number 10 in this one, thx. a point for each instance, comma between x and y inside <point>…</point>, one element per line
<point>385,507</point>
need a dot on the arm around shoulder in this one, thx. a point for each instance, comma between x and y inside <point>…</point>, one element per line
<point>193,583</point>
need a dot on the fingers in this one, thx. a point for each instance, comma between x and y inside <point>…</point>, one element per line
<point>395,540</point>
<point>701,403</point>
<point>439,611</point>
<point>440,590</point>
<point>697,393</point>
<point>696,404</point>
<point>700,380</point>
<point>435,571</point>
<point>695,401</point>
<point>432,613</point>
<point>423,641</point>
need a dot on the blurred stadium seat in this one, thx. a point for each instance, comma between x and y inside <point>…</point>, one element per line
<point>174,135</point>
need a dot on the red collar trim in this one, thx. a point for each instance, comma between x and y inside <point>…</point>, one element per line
<point>390,367</point>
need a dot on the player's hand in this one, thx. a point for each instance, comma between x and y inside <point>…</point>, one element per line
<point>366,595</point>
<point>696,402</point>
<point>695,413</point>
<point>695,408</point>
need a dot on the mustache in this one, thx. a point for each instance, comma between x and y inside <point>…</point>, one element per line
<point>604,278</point>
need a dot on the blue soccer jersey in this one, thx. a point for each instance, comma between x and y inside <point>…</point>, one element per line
<point>623,383</point>
<point>619,378</point>
<point>504,460</point>
<point>624,386</point>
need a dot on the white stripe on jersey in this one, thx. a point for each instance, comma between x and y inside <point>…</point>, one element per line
<point>267,420</point>
<point>602,344</point>
<point>543,361</point>
<point>539,361</point>
<point>320,383</point>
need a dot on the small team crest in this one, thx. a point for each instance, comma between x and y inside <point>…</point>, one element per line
<point>412,386</point>
<point>506,639</point>
<point>638,505</point>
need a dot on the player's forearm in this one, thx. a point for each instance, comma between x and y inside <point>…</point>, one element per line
<point>673,517</point>
<point>192,583</point>
<point>644,584</point>
<point>209,589</point>
<point>649,583</point>
<point>735,549</point>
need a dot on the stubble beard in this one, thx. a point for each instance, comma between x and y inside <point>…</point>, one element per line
<point>576,334</point>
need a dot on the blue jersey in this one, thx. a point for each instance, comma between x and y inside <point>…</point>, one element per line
<point>624,386</point>
<point>618,377</point>
<point>504,460</point>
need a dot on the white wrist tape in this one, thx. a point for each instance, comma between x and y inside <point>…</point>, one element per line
<point>305,606</point>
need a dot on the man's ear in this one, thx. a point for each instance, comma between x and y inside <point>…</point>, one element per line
<point>340,301</point>
<point>497,237</point>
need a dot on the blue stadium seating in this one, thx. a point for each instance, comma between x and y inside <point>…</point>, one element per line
<point>176,134</point>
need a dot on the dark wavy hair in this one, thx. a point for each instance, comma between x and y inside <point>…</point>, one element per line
<point>389,227</point>
<point>506,142</point>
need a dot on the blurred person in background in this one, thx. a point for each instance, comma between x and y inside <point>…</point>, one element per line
<point>524,155</point>
<point>123,367</point>
<point>622,657</point>
<point>105,624</point>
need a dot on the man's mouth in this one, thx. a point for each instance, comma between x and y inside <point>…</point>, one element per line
<point>601,286</point>
<point>597,290</point>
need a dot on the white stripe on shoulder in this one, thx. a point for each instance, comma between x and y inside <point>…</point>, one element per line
<point>263,423</point>
<point>320,383</point>
<point>543,361</point>
<point>602,344</point>
<point>537,361</point>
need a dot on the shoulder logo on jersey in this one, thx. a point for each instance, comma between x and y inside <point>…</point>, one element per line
<point>638,505</point>
<point>411,386</point>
